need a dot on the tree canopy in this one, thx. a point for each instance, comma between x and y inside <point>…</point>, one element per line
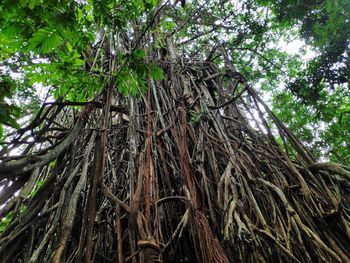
<point>137,131</point>
<point>51,45</point>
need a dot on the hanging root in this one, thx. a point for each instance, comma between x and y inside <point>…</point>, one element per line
<point>209,247</point>
<point>150,251</point>
<point>196,170</point>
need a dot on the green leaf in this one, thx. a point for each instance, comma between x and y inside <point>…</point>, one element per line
<point>9,114</point>
<point>1,133</point>
<point>69,47</point>
<point>38,185</point>
<point>140,53</point>
<point>5,221</point>
<point>33,3</point>
<point>152,2</point>
<point>45,40</point>
<point>156,72</point>
<point>129,83</point>
<point>79,14</point>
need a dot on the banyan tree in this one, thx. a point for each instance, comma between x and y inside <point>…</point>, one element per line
<point>179,160</point>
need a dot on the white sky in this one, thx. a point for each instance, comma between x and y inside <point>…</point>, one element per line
<point>295,47</point>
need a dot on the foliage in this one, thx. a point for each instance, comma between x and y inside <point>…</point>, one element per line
<point>323,130</point>
<point>5,221</point>
<point>140,133</point>
<point>321,84</point>
<point>325,25</point>
<point>54,46</point>
<point>37,187</point>
<point>9,112</point>
<point>54,43</point>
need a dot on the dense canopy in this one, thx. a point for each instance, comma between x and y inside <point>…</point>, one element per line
<point>141,131</point>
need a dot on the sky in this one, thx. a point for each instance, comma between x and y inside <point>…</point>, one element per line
<point>294,47</point>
